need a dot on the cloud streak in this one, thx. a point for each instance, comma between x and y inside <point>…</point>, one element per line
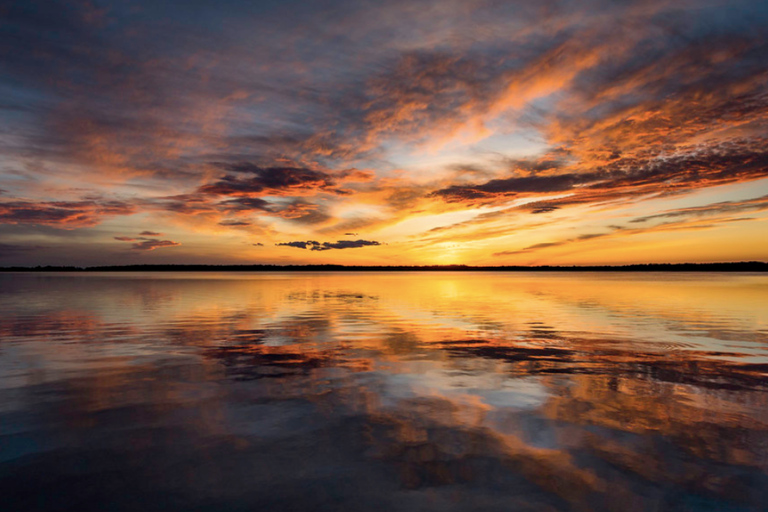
<point>682,219</point>
<point>62,214</point>
<point>143,243</point>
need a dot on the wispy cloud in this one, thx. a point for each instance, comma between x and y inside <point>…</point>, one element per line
<point>683,219</point>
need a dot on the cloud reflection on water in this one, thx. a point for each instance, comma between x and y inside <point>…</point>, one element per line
<point>382,391</point>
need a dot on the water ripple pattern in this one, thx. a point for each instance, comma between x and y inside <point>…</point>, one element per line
<point>384,391</point>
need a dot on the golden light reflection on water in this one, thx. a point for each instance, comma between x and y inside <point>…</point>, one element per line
<point>394,390</point>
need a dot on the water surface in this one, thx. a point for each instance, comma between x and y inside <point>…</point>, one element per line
<point>384,391</point>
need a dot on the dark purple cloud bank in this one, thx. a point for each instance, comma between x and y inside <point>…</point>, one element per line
<point>313,245</point>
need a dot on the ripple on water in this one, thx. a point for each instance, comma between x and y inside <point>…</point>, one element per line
<point>399,391</point>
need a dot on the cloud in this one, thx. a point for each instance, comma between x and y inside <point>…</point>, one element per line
<point>721,208</point>
<point>143,243</point>
<point>425,90</point>
<point>693,219</point>
<point>234,223</point>
<point>646,112</point>
<point>518,186</point>
<point>395,111</point>
<point>150,233</point>
<point>348,244</point>
<point>303,212</point>
<point>184,205</point>
<point>295,210</point>
<point>313,245</point>
<point>664,172</point>
<point>62,214</point>
<point>151,245</point>
<point>558,243</point>
<point>546,208</point>
<point>251,180</point>
<point>242,204</point>
<point>300,245</point>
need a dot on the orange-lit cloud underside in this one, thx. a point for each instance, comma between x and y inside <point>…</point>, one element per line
<point>400,133</point>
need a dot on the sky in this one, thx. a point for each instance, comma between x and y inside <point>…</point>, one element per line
<point>416,132</point>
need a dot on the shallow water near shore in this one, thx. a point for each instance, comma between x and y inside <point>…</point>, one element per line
<point>384,391</point>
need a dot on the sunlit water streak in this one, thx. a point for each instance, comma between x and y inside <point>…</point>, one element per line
<point>384,391</point>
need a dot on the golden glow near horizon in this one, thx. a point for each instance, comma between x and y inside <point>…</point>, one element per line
<point>400,133</point>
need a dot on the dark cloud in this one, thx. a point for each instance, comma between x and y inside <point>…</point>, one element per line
<point>313,245</point>
<point>539,207</point>
<point>348,244</point>
<point>242,204</point>
<point>150,233</point>
<point>234,223</point>
<point>688,168</point>
<point>199,203</point>
<point>251,179</point>
<point>185,204</point>
<point>693,167</point>
<point>295,210</point>
<point>518,185</point>
<point>62,214</point>
<point>300,245</point>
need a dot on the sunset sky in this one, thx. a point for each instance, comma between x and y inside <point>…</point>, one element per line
<point>383,132</point>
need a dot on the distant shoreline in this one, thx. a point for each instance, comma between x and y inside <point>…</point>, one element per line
<point>744,266</point>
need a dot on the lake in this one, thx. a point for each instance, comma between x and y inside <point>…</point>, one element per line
<point>397,391</point>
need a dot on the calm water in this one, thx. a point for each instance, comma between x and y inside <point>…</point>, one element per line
<point>384,391</point>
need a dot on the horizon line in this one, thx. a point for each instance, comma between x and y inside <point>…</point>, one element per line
<point>733,266</point>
